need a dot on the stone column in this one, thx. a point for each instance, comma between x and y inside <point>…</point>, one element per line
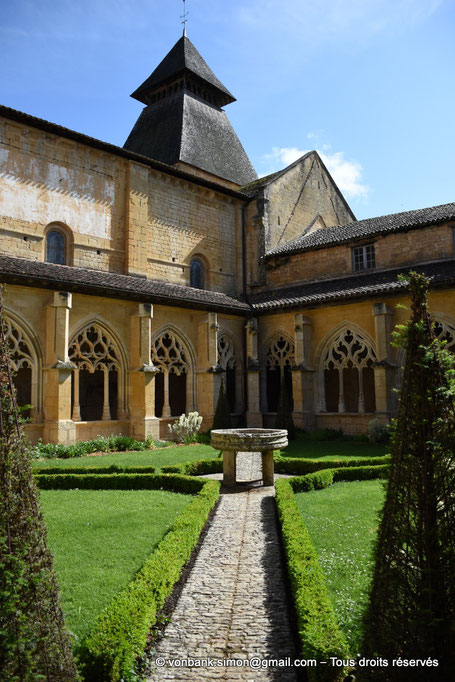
<point>143,423</point>
<point>385,370</point>
<point>302,373</point>
<point>209,373</point>
<point>229,467</point>
<point>267,467</point>
<point>254,414</point>
<point>58,425</point>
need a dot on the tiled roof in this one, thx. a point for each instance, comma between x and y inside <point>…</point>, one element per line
<point>96,282</point>
<point>367,285</point>
<point>183,57</point>
<point>395,222</point>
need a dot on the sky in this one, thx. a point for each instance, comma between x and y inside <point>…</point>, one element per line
<point>367,83</point>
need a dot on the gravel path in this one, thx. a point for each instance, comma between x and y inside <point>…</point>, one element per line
<point>233,606</point>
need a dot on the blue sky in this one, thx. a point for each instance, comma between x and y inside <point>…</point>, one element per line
<point>368,83</point>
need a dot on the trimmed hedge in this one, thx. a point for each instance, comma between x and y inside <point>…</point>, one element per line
<point>197,468</point>
<point>112,469</point>
<point>120,633</point>
<point>318,629</point>
<point>180,484</point>
<point>297,466</point>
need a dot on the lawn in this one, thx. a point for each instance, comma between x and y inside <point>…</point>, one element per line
<point>156,458</point>
<point>303,446</point>
<point>342,521</point>
<point>100,539</point>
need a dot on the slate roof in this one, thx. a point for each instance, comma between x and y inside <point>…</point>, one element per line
<point>184,127</point>
<point>366,285</point>
<point>61,131</point>
<point>99,283</point>
<point>371,227</point>
<point>183,58</point>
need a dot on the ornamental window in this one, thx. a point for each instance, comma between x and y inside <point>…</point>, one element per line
<point>173,382</point>
<point>96,379</point>
<point>347,381</point>
<point>23,363</point>
<point>227,359</point>
<point>363,257</point>
<point>279,359</point>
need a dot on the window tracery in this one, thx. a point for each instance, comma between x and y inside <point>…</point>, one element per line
<point>94,351</point>
<point>227,359</point>
<point>445,332</point>
<point>23,363</point>
<point>278,361</point>
<point>348,381</point>
<point>174,380</point>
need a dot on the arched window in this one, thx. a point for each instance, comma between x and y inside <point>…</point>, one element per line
<point>173,381</point>
<point>96,381</point>
<point>197,278</point>
<point>347,376</point>
<point>445,332</point>
<point>23,363</point>
<point>56,247</point>
<point>227,359</point>
<point>278,362</point>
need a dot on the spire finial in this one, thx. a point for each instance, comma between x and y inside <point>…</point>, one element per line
<point>183,17</point>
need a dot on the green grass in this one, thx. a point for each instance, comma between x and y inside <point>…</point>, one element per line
<point>333,449</point>
<point>156,458</point>
<point>100,539</point>
<point>342,521</point>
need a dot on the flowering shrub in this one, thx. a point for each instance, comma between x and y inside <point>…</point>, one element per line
<point>184,430</point>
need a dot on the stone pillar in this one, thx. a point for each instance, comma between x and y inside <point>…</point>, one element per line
<point>302,373</point>
<point>143,423</point>
<point>136,219</point>
<point>229,467</point>
<point>209,373</point>
<point>58,425</point>
<point>384,369</point>
<point>254,414</point>
<point>267,467</point>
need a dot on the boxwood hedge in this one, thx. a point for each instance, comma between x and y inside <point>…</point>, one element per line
<point>120,633</point>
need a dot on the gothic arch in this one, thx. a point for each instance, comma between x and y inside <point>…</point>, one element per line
<point>230,360</point>
<point>26,361</point>
<point>345,360</point>
<point>173,354</point>
<point>277,360</point>
<point>99,379</point>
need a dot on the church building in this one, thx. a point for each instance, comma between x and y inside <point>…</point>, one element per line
<point>137,277</point>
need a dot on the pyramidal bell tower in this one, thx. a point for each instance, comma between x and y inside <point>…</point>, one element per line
<point>183,123</point>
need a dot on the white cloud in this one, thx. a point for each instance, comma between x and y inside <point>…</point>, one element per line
<point>346,173</point>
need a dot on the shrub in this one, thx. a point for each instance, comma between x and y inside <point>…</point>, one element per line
<point>318,630</point>
<point>86,447</point>
<point>34,643</point>
<point>184,430</point>
<point>222,416</point>
<point>412,607</point>
<point>120,633</point>
<point>293,465</point>
<point>196,468</point>
<point>378,432</point>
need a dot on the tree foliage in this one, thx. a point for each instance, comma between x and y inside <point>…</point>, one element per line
<point>412,609</point>
<point>222,418</point>
<point>34,644</point>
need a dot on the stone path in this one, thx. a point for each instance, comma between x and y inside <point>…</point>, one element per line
<point>233,605</point>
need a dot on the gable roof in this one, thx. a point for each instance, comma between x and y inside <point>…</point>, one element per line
<point>183,58</point>
<point>370,227</point>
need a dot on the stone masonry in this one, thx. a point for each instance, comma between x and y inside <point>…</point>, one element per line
<point>234,603</point>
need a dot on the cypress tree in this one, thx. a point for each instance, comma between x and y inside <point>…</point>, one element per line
<point>222,417</point>
<point>412,607</point>
<point>34,644</point>
<point>284,418</point>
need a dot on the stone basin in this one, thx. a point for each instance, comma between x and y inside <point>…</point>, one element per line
<point>231,441</point>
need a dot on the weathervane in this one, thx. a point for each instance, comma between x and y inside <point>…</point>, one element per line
<point>183,17</point>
